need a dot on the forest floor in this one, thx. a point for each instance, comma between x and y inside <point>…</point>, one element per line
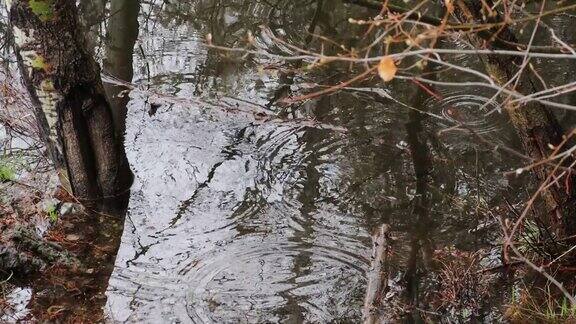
<point>53,247</point>
<point>55,256</point>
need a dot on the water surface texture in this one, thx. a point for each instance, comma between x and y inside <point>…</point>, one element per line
<point>233,219</point>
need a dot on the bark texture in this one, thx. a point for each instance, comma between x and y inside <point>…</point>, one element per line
<point>120,40</point>
<point>64,82</point>
<point>377,277</point>
<point>535,124</point>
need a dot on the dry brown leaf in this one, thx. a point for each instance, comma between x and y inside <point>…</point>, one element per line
<point>387,68</point>
<point>449,6</point>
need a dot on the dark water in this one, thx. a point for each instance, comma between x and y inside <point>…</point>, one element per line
<point>233,219</point>
<point>236,219</point>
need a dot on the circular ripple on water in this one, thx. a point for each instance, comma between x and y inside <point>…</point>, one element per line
<point>476,112</point>
<point>283,159</point>
<point>258,280</point>
<point>261,183</point>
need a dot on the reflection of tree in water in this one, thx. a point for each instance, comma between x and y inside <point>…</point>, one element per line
<point>117,42</point>
<point>309,194</point>
<point>121,36</point>
<point>384,166</point>
<point>393,178</point>
<point>229,22</point>
<point>432,194</point>
<point>92,14</point>
<point>381,159</point>
<point>421,240</point>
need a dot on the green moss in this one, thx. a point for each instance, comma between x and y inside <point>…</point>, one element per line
<point>47,85</point>
<point>42,8</point>
<point>6,173</point>
<point>39,63</point>
<point>52,213</point>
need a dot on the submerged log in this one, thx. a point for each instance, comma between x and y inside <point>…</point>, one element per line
<point>377,276</point>
<point>23,252</point>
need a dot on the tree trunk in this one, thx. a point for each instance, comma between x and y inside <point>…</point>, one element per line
<point>64,82</point>
<point>535,125</point>
<point>120,39</point>
<point>91,14</point>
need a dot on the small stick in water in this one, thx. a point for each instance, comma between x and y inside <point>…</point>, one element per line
<point>377,276</point>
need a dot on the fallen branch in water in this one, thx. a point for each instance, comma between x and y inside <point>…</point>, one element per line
<point>260,114</point>
<point>23,251</point>
<point>377,276</point>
